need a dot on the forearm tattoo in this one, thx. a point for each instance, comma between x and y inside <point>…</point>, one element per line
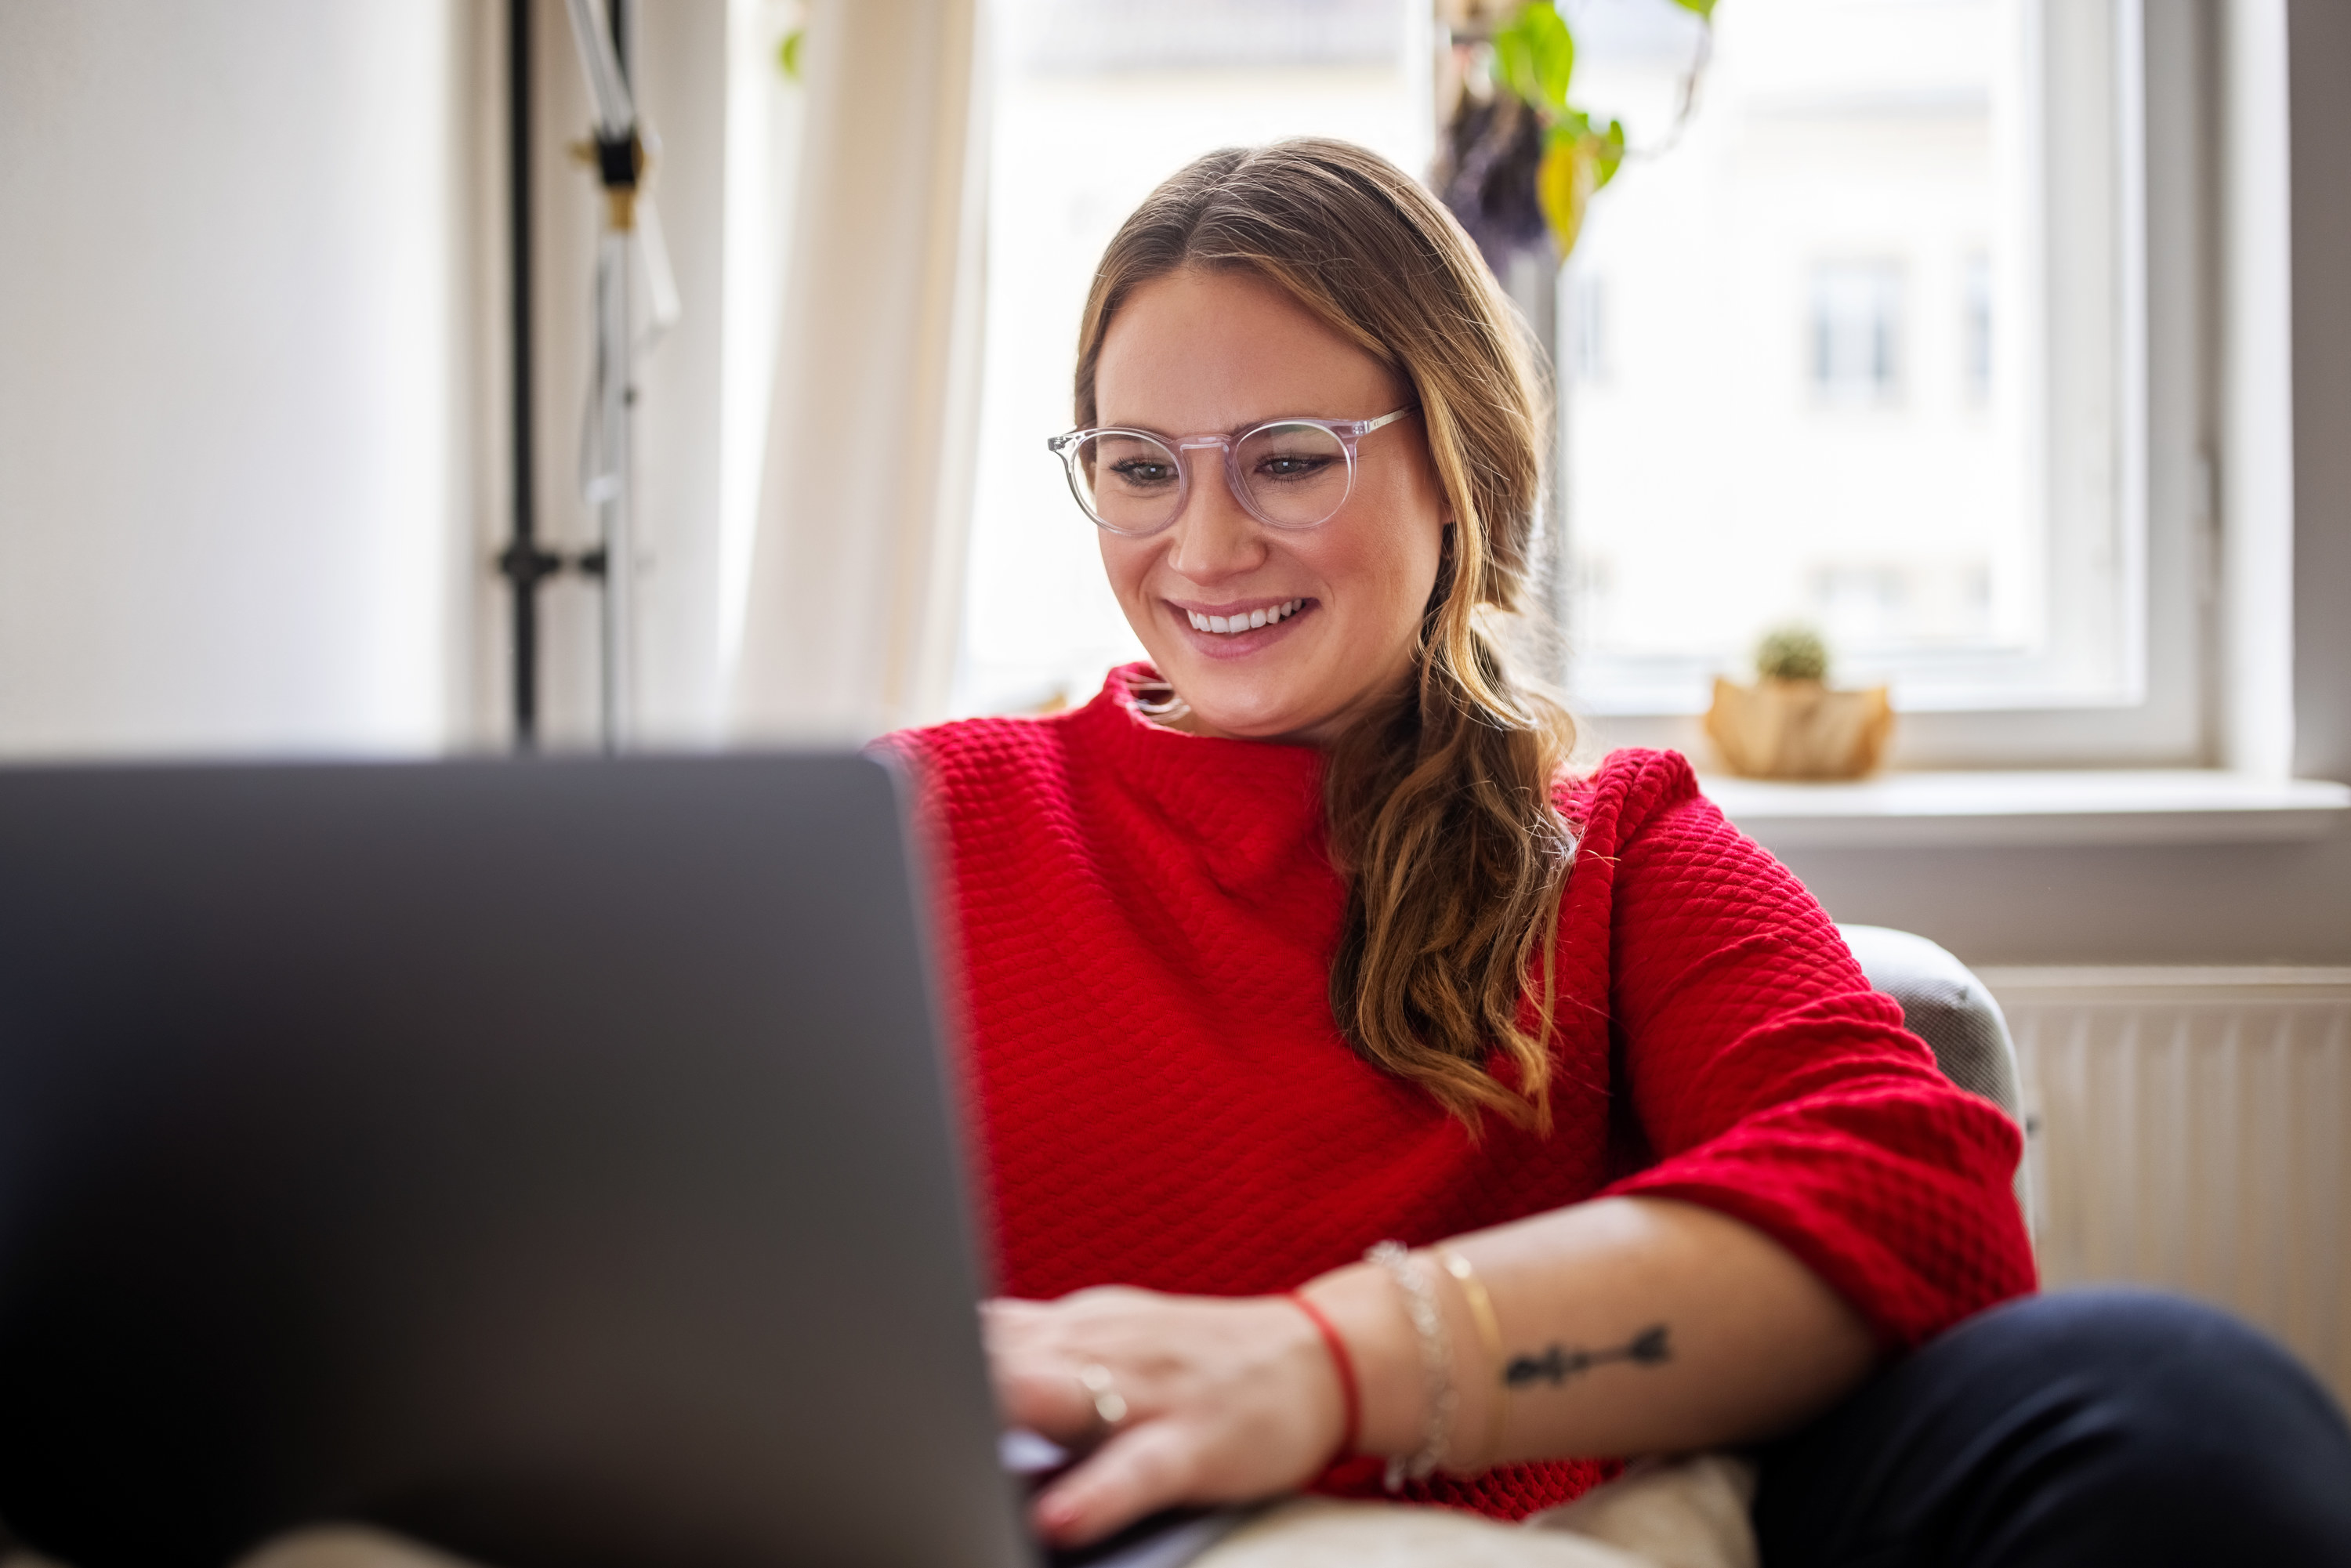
<point>1557,1364</point>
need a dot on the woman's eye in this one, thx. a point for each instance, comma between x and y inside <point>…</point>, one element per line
<point>1136,474</point>
<point>1292,466</point>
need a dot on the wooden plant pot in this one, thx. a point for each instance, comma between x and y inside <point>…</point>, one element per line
<point>1798,729</point>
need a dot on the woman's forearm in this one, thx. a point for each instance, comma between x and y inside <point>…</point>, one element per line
<point>1626,1325</point>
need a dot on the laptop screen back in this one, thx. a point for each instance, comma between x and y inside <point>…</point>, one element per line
<point>549,1159</point>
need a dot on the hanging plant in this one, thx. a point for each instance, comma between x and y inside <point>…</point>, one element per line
<point>1519,162</point>
<point>791,50</point>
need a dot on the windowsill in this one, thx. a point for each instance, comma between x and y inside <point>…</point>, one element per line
<point>1962,810</point>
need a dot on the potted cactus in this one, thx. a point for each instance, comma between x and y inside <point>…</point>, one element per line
<point>1791,724</point>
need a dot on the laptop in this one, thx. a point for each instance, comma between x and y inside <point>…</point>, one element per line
<point>551,1160</point>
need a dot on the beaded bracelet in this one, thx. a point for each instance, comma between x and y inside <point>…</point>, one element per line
<point>1436,1361</point>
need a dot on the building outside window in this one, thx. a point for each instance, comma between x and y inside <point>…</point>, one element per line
<point>1587,328</point>
<point>1976,327</point>
<point>1856,332</point>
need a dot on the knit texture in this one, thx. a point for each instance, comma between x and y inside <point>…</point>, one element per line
<point>1141,925</point>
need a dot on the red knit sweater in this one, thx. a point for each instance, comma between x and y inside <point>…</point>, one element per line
<point>1143,927</point>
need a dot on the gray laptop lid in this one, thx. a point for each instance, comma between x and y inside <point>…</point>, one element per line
<point>548,1159</point>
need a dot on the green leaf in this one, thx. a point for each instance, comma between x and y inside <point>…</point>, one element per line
<point>1704,9</point>
<point>1563,184</point>
<point>1608,152</point>
<point>788,54</point>
<point>1553,50</point>
<point>1514,62</point>
<point>1537,55</point>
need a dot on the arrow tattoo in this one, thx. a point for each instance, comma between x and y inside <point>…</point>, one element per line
<point>1558,1364</point>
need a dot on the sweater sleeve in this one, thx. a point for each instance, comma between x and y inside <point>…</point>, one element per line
<point>1773,1086</point>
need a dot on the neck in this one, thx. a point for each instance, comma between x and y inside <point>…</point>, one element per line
<point>1163,705</point>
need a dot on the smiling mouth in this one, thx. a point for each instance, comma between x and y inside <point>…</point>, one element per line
<point>1230,625</point>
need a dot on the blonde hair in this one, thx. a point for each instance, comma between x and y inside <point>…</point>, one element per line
<point>1440,808</point>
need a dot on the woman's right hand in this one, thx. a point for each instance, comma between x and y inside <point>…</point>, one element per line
<point>1215,1400</point>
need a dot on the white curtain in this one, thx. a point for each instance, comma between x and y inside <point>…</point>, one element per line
<point>856,575</point>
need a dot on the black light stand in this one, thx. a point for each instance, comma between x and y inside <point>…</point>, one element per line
<point>524,563</point>
<point>617,153</point>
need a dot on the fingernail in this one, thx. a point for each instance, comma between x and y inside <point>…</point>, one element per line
<point>1059,1513</point>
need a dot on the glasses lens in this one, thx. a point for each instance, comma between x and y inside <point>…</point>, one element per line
<point>1296,474</point>
<point>1128,483</point>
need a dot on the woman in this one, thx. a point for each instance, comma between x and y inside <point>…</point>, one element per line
<point>1302,939</point>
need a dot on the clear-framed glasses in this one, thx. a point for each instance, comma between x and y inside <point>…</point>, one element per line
<point>1287,472</point>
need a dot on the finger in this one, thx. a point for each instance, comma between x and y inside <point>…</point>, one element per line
<point>1012,1307</point>
<point>1008,1319</point>
<point>1047,1396</point>
<point>1136,1473</point>
<point>1034,1384</point>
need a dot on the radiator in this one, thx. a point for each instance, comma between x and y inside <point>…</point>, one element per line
<point>2191,1129</point>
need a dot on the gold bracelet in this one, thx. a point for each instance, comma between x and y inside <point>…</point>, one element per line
<point>1490,1335</point>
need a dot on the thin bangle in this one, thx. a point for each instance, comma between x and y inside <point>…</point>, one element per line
<point>1490,1335</point>
<point>1351,1394</point>
<point>1435,1360</point>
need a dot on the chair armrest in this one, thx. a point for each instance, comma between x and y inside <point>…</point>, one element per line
<point>1944,1005</point>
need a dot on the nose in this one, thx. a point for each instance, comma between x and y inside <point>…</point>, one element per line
<point>1214,537</point>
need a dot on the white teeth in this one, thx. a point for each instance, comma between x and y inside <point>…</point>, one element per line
<point>1229,624</point>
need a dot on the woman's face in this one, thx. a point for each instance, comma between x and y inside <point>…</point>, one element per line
<point>1195,352</point>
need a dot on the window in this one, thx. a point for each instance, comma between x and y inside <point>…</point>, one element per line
<point>1878,361</point>
<point>1877,338</point>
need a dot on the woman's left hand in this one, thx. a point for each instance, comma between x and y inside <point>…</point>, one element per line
<point>1224,1400</point>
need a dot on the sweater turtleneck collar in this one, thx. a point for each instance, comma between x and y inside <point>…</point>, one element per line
<point>1124,710</point>
<point>1266,792</point>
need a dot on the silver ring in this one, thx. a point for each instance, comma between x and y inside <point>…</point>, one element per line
<point>1102,1389</point>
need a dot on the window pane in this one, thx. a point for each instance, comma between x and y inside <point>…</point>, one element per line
<point>1802,375</point>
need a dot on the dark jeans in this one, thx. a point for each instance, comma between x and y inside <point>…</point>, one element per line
<point>2070,1431</point>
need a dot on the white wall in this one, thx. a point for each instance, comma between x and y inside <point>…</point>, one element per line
<point>682,76</point>
<point>237,392</point>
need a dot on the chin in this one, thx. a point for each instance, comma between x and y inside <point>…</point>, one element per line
<point>1231,707</point>
<point>1251,726</point>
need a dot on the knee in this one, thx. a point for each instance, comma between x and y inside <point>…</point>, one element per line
<point>2192,1361</point>
<point>2189,1413</point>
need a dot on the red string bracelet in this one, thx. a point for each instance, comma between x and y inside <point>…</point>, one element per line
<point>1351,1397</point>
